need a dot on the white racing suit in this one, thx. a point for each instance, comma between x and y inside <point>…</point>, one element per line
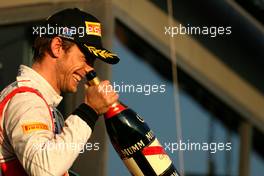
<point>34,140</point>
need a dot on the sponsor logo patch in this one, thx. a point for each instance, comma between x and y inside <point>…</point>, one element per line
<point>27,128</point>
<point>93,28</point>
<point>67,31</point>
<point>100,53</point>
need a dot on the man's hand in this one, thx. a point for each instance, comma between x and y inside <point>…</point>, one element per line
<point>100,97</point>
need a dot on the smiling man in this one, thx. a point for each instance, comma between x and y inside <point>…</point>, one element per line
<point>35,139</point>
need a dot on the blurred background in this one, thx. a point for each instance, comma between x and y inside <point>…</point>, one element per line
<point>214,88</point>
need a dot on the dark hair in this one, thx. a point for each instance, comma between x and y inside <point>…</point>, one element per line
<point>42,45</point>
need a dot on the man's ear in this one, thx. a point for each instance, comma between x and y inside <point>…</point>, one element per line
<point>56,47</point>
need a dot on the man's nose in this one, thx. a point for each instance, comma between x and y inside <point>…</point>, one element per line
<point>88,68</point>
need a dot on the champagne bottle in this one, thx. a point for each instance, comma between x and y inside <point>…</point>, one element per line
<point>134,141</point>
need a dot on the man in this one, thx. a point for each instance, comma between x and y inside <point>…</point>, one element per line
<point>34,139</point>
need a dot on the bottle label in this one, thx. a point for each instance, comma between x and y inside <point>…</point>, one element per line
<point>137,146</point>
<point>151,160</point>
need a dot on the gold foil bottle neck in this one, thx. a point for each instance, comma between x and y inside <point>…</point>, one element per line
<point>94,82</point>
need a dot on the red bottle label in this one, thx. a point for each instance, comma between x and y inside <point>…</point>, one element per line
<point>156,158</point>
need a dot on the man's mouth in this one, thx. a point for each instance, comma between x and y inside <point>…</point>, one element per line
<point>77,77</point>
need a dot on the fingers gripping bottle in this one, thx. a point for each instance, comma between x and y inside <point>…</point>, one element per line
<point>134,141</point>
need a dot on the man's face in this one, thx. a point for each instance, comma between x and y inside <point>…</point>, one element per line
<point>71,68</point>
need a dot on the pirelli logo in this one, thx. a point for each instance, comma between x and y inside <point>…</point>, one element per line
<point>27,128</point>
<point>93,28</point>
